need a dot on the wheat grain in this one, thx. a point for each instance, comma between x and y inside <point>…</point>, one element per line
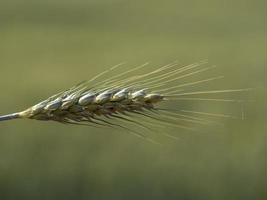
<point>123,96</point>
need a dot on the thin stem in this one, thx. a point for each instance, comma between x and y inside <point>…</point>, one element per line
<point>9,117</point>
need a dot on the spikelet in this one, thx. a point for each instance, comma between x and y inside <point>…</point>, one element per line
<point>125,96</point>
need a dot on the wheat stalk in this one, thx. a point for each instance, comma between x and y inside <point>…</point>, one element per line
<point>96,102</point>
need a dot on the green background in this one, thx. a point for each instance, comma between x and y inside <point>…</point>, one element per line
<point>46,46</point>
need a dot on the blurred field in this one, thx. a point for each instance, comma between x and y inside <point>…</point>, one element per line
<point>46,46</point>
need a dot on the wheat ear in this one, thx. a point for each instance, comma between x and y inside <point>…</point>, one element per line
<point>129,94</point>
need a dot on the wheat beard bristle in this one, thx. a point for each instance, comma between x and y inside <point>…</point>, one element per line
<point>125,95</point>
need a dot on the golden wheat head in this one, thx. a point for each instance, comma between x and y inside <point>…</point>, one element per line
<point>125,95</point>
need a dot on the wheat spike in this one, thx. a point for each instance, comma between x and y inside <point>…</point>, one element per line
<point>127,95</point>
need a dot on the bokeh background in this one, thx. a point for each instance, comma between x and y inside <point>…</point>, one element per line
<point>46,46</point>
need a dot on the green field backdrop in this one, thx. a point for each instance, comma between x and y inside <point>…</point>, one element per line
<point>49,45</point>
